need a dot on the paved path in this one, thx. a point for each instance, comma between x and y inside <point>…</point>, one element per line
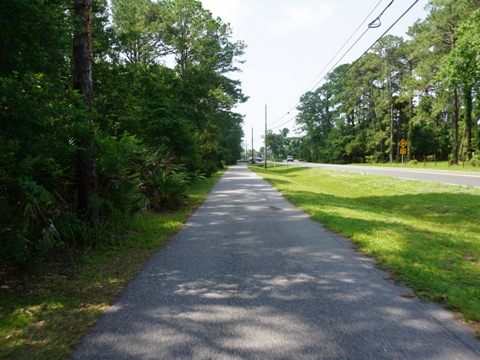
<point>251,277</point>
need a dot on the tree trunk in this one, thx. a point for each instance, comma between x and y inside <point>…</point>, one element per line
<point>410,131</point>
<point>468,119</point>
<point>455,127</point>
<point>461,144</point>
<point>82,81</point>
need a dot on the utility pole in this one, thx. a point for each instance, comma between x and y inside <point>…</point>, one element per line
<point>252,145</point>
<point>246,148</point>
<point>265,145</point>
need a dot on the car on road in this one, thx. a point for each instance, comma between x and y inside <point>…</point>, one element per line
<point>255,160</point>
<point>289,158</point>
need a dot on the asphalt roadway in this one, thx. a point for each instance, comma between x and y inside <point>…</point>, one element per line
<point>251,277</point>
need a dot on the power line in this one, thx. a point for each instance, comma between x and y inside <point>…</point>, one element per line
<point>338,52</point>
<point>345,44</point>
<point>377,23</point>
<point>375,43</point>
<point>356,61</point>
<point>286,122</point>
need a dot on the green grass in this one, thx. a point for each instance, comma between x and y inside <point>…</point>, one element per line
<point>44,314</point>
<point>426,235</point>
<point>439,165</point>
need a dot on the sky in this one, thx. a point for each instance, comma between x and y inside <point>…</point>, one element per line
<point>293,44</point>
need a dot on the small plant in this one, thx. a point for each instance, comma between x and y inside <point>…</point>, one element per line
<point>475,161</point>
<point>120,185</point>
<point>370,159</point>
<point>413,162</point>
<point>166,189</point>
<point>194,177</point>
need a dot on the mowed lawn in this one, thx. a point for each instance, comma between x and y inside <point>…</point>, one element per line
<point>426,235</point>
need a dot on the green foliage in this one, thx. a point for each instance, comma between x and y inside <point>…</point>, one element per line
<point>65,308</point>
<point>148,117</point>
<point>33,36</point>
<point>36,161</point>
<point>424,89</point>
<point>475,161</point>
<point>370,159</point>
<point>119,176</point>
<point>165,189</point>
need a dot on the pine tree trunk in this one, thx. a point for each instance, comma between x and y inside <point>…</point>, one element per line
<point>82,79</point>
<point>455,127</point>
<point>468,119</point>
<point>410,130</point>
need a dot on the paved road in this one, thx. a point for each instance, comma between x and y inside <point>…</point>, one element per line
<point>251,277</point>
<point>441,176</point>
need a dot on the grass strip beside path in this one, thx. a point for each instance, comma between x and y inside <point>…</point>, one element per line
<point>47,312</point>
<point>426,235</point>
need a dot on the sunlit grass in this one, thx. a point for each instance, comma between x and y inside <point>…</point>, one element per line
<point>430,165</point>
<point>426,235</point>
<point>47,314</point>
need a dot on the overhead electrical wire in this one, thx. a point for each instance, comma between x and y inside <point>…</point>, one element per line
<point>377,23</point>
<point>338,52</point>
<point>375,43</point>
<point>279,126</point>
<point>346,42</point>
<point>350,67</point>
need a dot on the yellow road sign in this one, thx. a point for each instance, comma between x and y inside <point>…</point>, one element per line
<point>403,143</point>
<point>403,151</point>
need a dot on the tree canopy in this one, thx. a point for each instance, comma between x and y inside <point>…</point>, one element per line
<point>423,89</point>
<point>107,111</point>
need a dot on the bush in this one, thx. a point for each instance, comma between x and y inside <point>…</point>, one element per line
<point>41,122</point>
<point>33,192</point>
<point>370,159</point>
<point>166,189</point>
<point>119,166</point>
<point>475,161</point>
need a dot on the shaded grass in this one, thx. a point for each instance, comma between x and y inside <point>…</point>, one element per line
<point>426,235</point>
<point>45,313</point>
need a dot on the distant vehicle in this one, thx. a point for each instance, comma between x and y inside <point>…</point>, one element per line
<point>255,160</point>
<point>289,158</point>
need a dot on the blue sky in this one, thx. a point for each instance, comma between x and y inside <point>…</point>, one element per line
<point>290,42</point>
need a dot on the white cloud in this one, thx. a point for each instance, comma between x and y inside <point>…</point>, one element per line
<point>231,11</point>
<point>304,16</point>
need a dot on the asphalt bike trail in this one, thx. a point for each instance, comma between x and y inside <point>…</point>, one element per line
<point>251,277</point>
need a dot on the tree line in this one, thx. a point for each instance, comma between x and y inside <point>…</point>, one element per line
<point>424,89</point>
<point>106,111</point>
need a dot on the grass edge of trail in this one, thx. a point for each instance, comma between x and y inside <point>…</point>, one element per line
<point>411,228</point>
<point>47,313</point>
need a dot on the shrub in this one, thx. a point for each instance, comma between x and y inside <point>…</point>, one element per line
<point>166,189</point>
<point>475,161</point>
<point>119,164</point>
<point>370,159</point>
